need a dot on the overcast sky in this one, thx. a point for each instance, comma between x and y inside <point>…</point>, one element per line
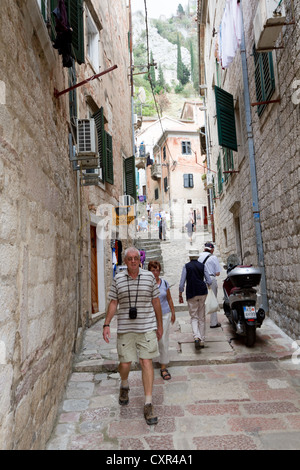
<point>156,8</point>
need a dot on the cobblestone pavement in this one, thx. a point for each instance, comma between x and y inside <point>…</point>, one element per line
<point>226,396</point>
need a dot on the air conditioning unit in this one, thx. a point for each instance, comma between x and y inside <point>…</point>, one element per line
<point>90,179</point>
<point>268,22</point>
<point>86,138</point>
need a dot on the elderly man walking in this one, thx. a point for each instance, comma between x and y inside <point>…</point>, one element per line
<point>193,274</point>
<point>139,325</point>
<point>214,269</point>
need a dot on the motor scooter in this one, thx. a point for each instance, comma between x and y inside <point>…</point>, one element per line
<point>240,299</point>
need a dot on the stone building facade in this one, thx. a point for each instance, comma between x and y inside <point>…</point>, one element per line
<point>47,213</point>
<point>257,184</point>
<point>174,179</point>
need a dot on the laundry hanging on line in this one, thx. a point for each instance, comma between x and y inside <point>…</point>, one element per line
<point>229,34</point>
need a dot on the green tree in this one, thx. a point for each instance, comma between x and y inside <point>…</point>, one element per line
<point>179,61</point>
<point>161,79</point>
<point>183,73</point>
<point>194,71</point>
<point>152,71</point>
<point>180,10</point>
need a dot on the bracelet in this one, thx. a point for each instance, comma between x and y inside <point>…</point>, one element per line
<point>105,326</point>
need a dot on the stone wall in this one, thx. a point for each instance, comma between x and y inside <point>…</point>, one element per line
<point>277,147</point>
<point>38,237</point>
<point>44,214</point>
<point>276,144</point>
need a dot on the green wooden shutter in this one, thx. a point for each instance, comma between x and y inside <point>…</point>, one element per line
<point>109,164</point>
<point>75,17</point>
<point>99,122</point>
<point>129,169</point>
<point>264,77</point>
<point>53,5</point>
<point>186,181</point>
<point>219,172</point>
<point>44,9</point>
<point>73,95</point>
<point>225,119</point>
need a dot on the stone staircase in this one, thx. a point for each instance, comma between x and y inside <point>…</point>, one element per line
<point>152,249</point>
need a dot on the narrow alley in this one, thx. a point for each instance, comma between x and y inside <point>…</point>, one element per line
<point>117,116</point>
<point>227,396</point>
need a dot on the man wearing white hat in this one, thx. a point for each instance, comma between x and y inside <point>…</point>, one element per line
<point>214,269</point>
<point>193,274</point>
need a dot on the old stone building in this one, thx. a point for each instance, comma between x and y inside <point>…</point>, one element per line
<point>174,167</point>
<point>249,77</point>
<point>56,252</point>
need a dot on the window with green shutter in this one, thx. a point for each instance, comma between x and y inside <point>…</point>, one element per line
<point>129,170</point>
<point>43,6</point>
<point>264,78</point>
<point>109,164</point>
<point>225,119</point>
<point>105,148</point>
<point>188,180</point>
<point>75,17</point>
<point>220,176</point>
<point>228,163</point>
<point>99,122</point>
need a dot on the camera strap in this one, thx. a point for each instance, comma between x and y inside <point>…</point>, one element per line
<point>137,290</point>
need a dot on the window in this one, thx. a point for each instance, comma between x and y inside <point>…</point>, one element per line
<point>93,42</point>
<point>186,148</point>
<point>203,140</point>
<point>75,16</point>
<point>188,180</point>
<point>220,177</point>
<point>264,78</point>
<point>156,193</point>
<point>225,119</point>
<point>105,149</point>
<point>164,153</point>
<point>72,97</point>
<point>228,163</point>
<point>166,184</point>
<point>129,173</point>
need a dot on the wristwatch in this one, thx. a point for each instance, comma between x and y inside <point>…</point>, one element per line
<point>105,326</point>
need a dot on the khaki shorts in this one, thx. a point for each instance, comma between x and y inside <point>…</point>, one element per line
<point>132,346</point>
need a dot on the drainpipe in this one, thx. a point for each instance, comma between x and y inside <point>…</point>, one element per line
<point>210,191</point>
<point>79,265</point>
<point>131,78</point>
<point>255,205</point>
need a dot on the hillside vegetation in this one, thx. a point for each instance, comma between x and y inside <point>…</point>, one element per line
<point>173,49</point>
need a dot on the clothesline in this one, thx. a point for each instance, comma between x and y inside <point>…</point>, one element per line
<point>229,34</point>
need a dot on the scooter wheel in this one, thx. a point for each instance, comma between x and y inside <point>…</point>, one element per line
<point>250,335</point>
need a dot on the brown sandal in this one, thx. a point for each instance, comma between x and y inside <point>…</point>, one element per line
<point>166,375</point>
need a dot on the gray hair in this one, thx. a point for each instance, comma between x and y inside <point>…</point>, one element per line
<point>131,248</point>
